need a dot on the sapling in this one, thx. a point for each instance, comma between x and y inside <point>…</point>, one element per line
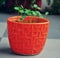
<point>29,12</point>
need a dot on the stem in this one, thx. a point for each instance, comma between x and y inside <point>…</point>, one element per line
<point>16,2</point>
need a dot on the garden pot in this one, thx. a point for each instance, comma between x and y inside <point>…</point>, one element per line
<point>27,37</point>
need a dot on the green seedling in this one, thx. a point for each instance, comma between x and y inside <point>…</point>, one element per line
<point>29,12</point>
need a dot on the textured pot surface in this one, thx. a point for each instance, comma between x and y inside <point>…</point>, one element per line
<point>27,38</point>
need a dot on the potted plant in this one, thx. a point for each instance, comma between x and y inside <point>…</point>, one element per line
<point>27,33</point>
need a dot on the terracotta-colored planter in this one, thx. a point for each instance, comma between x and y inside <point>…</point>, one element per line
<point>27,38</point>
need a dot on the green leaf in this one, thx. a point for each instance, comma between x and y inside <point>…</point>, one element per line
<point>38,13</point>
<point>34,13</point>
<point>21,11</point>
<point>35,6</point>
<point>16,8</point>
<point>46,13</point>
<point>41,16</point>
<point>30,14</point>
<point>22,6</point>
<point>27,11</point>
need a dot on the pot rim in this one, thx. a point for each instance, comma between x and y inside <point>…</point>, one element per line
<point>17,17</point>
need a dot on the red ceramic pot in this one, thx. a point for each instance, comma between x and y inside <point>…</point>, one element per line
<point>28,37</point>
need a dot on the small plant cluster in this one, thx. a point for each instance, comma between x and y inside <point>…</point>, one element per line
<point>28,12</point>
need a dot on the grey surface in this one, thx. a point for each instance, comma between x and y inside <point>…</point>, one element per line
<point>5,33</point>
<point>3,23</point>
<point>51,50</point>
<point>4,16</point>
<point>2,28</point>
<point>54,30</point>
